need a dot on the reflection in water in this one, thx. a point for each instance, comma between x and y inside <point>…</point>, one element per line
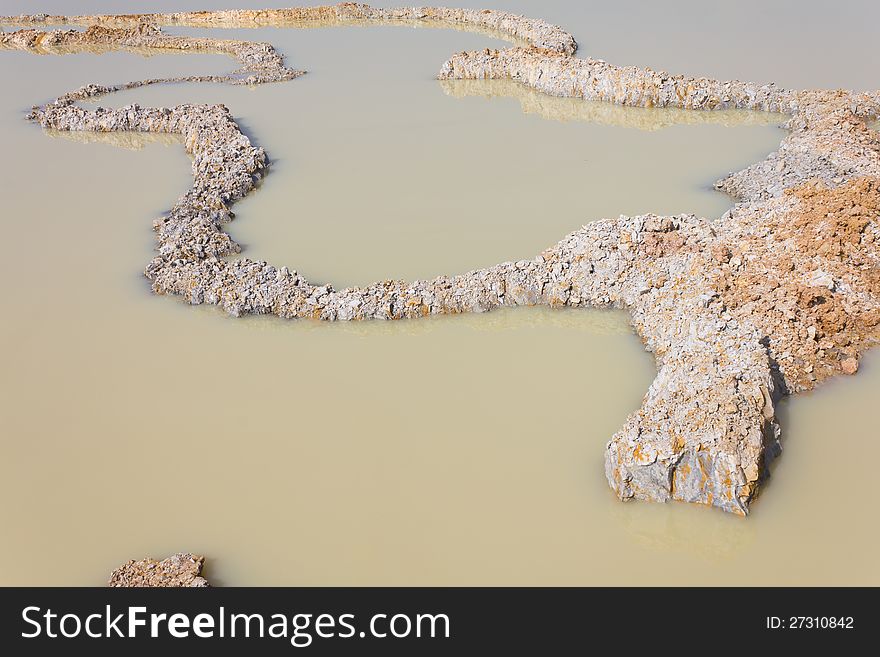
<point>684,531</point>
<point>593,321</point>
<point>133,141</point>
<point>575,109</point>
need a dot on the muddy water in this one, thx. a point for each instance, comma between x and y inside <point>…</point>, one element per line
<point>463,450</point>
<point>382,172</point>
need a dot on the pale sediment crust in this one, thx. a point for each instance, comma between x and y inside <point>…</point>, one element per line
<point>177,571</point>
<point>780,293</point>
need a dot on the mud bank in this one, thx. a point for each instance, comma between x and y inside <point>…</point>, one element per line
<point>778,294</point>
<point>179,570</point>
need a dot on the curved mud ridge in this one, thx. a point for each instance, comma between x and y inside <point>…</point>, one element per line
<point>778,294</point>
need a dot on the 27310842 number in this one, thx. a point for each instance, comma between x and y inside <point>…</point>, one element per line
<point>810,623</point>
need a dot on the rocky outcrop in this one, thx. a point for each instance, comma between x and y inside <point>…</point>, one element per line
<point>778,294</point>
<point>179,570</point>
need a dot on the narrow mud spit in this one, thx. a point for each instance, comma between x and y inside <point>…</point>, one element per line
<point>778,294</point>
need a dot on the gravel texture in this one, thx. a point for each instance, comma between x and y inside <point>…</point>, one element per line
<point>179,570</point>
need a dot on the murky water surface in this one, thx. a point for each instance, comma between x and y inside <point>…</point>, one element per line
<point>460,450</point>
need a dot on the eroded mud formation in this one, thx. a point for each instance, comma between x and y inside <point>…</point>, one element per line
<point>776,295</point>
<point>179,570</point>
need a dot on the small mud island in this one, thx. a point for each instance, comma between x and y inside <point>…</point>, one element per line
<point>178,570</point>
<point>780,293</point>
